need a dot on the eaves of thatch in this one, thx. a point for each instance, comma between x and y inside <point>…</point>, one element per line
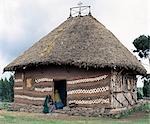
<point>79,41</point>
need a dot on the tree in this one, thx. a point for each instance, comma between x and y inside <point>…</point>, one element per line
<point>6,89</point>
<point>146,88</point>
<point>142,45</point>
<point>11,91</point>
<point>1,89</point>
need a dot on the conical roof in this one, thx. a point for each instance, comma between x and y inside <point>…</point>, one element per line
<point>79,41</point>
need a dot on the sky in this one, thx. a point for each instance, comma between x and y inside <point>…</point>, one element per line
<point>24,22</point>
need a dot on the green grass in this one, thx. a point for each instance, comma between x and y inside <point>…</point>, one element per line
<point>4,105</point>
<point>143,108</point>
<point>12,118</point>
<point>138,115</point>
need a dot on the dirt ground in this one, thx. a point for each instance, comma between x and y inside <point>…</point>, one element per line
<point>136,116</point>
<point>56,116</point>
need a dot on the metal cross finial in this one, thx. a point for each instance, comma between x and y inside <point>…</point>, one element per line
<point>80,4</point>
<point>80,10</point>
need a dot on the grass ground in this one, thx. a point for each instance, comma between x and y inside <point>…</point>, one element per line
<point>33,118</point>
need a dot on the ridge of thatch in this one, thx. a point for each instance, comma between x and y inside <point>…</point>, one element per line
<point>79,41</point>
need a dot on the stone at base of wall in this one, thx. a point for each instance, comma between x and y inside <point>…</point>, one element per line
<point>77,111</point>
<point>80,111</point>
<point>26,108</point>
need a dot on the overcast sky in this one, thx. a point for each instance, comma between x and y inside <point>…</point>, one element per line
<point>23,22</point>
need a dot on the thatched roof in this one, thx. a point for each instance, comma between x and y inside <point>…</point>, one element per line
<point>79,41</point>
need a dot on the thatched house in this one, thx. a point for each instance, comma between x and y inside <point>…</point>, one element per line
<point>84,61</point>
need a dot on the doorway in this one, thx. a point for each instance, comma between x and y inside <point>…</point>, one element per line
<point>60,85</point>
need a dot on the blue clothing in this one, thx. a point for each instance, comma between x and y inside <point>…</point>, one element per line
<point>59,105</point>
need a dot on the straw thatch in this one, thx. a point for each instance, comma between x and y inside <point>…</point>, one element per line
<point>79,41</point>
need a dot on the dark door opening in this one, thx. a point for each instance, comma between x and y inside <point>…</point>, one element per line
<point>60,85</point>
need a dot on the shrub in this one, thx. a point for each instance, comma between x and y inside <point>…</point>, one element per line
<point>146,88</point>
<point>139,93</point>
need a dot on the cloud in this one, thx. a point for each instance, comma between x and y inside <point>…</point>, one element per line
<point>10,23</point>
<point>127,19</point>
<point>3,63</point>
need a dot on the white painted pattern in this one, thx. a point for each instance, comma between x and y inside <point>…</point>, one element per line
<point>88,80</point>
<point>18,88</point>
<point>43,79</point>
<point>18,80</point>
<point>28,97</point>
<point>90,91</point>
<point>43,89</point>
<point>95,101</point>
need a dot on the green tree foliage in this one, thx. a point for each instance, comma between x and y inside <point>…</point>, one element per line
<point>11,82</point>
<point>1,89</point>
<point>139,95</point>
<point>142,45</point>
<point>146,88</point>
<point>6,89</point>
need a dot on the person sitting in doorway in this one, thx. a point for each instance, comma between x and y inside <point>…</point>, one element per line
<point>48,105</point>
<point>58,102</point>
<point>51,106</point>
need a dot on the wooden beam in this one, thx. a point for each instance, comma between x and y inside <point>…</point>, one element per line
<point>118,100</point>
<point>127,99</point>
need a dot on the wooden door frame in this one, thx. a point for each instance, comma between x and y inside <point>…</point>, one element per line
<point>53,89</point>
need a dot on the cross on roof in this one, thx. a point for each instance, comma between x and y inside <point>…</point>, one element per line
<point>79,4</point>
<point>80,10</point>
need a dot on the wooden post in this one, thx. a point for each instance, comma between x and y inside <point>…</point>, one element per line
<point>23,79</point>
<point>53,90</point>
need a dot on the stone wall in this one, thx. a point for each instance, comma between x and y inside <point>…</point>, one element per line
<point>88,89</point>
<point>90,92</point>
<point>123,89</point>
<point>81,111</point>
<point>26,108</point>
<point>84,87</point>
<point>34,94</point>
